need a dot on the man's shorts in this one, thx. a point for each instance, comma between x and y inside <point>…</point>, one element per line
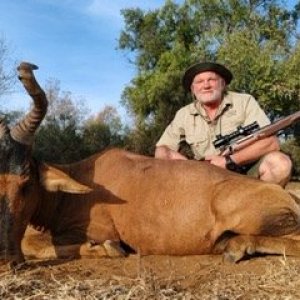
<point>252,169</point>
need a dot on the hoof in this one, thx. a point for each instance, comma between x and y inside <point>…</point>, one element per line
<point>238,248</point>
<point>232,258</point>
<point>113,249</point>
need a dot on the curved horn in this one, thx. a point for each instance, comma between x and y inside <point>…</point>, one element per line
<point>3,128</point>
<point>24,131</point>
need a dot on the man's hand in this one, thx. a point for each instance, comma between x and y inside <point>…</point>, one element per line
<point>176,155</point>
<point>163,152</point>
<point>216,160</point>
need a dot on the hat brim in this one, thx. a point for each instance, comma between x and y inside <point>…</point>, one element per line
<point>197,68</point>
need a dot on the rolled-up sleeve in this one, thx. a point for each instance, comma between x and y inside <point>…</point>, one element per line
<point>171,135</point>
<point>254,112</point>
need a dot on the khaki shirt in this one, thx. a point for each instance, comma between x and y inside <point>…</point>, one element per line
<point>200,132</point>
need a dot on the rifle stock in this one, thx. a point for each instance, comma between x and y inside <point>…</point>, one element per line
<point>262,133</point>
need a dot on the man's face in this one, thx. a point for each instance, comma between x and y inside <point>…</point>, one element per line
<point>208,87</point>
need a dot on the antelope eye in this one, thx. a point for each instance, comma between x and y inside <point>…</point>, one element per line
<point>26,187</point>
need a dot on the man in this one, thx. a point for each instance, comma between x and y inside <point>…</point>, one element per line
<point>217,111</point>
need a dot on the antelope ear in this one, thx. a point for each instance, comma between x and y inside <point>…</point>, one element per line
<point>54,180</point>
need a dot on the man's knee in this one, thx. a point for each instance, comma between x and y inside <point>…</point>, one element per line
<point>276,167</point>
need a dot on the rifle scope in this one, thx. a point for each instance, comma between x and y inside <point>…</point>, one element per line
<point>224,140</point>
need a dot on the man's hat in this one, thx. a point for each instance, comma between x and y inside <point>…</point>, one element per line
<point>197,68</point>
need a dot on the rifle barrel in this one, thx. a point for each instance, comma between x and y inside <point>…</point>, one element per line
<point>264,132</point>
<point>280,124</point>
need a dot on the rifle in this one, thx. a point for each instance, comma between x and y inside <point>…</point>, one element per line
<point>247,135</point>
<point>243,137</point>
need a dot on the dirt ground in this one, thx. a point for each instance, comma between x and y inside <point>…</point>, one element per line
<point>155,277</point>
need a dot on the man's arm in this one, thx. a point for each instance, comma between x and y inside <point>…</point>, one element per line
<point>164,152</point>
<point>249,154</point>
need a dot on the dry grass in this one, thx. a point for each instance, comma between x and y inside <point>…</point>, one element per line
<point>278,279</point>
<point>24,287</point>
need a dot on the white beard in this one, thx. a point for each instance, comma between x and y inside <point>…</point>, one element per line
<point>211,97</point>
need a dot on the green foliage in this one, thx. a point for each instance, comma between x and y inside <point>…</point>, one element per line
<point>58,139</point>
<point>256,39</point>
<point>102,131</point>
<point>292,148</point>
<point>57,144</point>
<point>66,135</point>
<point>96,137</point>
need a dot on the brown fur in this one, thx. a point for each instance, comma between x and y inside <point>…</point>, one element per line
<point>163,207</point>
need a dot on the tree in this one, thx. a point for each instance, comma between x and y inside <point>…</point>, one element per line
<point>68,134</point>
<point>7,77</point>
<point>12,117</point>
<point>103,131</point>
<point>62,105</point>
<point>256,39</point>
<point>59,139</point>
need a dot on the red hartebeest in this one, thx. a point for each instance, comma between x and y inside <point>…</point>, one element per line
<point>96,206</point>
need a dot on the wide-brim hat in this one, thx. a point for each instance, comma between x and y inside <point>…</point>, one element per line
<point>197,68</point>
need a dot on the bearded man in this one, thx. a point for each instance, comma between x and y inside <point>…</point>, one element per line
<point>215,111</point>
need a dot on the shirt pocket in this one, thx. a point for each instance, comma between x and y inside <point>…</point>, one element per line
<point>199,145</point>
<point>230,126</point>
